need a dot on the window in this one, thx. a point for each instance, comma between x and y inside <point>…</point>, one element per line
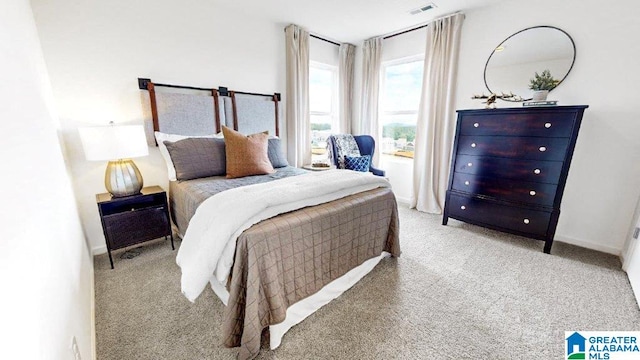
<point>399,101</point>
<point>323,106</point>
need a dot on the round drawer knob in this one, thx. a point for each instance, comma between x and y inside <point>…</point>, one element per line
<point>476,125</point>
<point>469,164</point>
<point>537,171</point>
<point>526,221</point>
<point>466,183</point>
<point>542,148</point>
<point>532,193</point>
<point>463,207</point>
<point>473,145</point>
<point>547,125</point>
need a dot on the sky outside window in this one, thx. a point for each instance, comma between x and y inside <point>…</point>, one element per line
<point>320,89</point>
<point>402,86</point>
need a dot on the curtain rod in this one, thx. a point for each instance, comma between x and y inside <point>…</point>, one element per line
<point>405,31</point>
<point>320,38</point>
<point>421,26</point>
<point>323,39</point>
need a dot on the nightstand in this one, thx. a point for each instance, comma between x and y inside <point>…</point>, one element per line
<point>134,219</point>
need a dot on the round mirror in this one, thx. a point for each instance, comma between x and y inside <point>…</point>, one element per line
<point>516,60</point>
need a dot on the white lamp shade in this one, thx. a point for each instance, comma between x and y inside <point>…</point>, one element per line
<point>113,142</point>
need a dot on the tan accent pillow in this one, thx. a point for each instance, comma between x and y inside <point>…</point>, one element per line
<point>246,155</point>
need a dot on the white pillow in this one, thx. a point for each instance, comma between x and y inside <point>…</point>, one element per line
<point>160,138</point>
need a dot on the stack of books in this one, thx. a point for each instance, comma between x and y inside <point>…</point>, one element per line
<point>541,103</point>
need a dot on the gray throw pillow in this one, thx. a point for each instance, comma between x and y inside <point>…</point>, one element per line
<point>276,155</point>
<point>197,157</point>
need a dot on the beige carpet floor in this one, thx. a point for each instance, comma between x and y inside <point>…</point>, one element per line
<point>457,292</point>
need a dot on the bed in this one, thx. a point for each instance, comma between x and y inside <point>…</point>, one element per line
<point>274,247</point>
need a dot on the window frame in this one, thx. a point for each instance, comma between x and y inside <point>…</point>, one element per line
<point>389,113</point>
<point>333,114</point>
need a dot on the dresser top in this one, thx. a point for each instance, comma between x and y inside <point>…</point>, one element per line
<point>527,109</point>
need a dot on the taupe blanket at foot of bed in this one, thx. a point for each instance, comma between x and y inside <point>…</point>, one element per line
<point>287,258</point>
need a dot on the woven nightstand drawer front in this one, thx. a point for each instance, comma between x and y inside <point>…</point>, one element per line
<point>136,226</point>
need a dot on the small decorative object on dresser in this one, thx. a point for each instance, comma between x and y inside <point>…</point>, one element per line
<point>541,84</point>
<point>540,103</point>
<point>492,98</point>
<point>509,167</point>
<point>134,219</point>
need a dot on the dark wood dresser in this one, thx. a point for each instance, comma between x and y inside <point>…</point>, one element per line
<point>509,168</point>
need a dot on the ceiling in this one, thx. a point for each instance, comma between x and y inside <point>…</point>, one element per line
<point>351,20</point>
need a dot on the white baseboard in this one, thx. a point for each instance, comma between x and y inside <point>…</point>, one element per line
<point>589,245</point>
<point>98,250</point>
<point>403,200</point>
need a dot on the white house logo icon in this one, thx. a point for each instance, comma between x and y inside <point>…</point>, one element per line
<point>576,346</point>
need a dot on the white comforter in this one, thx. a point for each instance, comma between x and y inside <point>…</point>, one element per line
<point>209,243</point>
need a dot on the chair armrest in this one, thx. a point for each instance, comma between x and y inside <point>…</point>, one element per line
<point>376,171</point>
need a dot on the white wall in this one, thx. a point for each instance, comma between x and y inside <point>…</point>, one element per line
<point>405,45</point>
<point>601,191</point>
<point>96,50</point>
<point>47,273</point>
<point>324,52</point>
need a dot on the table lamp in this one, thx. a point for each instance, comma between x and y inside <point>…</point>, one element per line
<point>117,144</point>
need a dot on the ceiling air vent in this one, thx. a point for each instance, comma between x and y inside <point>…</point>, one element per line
<point>422,9</point>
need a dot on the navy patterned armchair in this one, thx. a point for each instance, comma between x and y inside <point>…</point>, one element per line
<point>366,145</point>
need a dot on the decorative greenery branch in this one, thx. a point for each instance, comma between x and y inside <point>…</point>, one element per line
<point>543,81</point>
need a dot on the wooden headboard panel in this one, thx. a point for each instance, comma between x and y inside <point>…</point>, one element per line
<point>189,110</point>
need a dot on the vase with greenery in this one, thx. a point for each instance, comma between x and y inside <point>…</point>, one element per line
<point>541,84</point>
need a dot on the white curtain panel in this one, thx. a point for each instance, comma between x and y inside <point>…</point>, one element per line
<point>371,63</point>
<point>298,128</point>
<point>347,55</point>
<point>436,115</point>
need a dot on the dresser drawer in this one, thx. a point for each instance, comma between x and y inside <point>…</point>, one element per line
<point>552,149</point>
<point>515,169</point>
<point>509,190</point>
<point>492,214</point>
<point>131,227</point>
<point>538,123</point>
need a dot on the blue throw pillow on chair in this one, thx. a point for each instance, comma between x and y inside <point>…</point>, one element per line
<point>357,163</point>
